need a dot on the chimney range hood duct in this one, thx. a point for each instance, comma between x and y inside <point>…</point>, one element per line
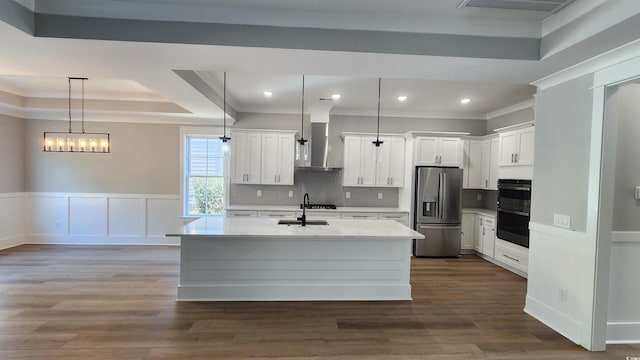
<point>319,140</point>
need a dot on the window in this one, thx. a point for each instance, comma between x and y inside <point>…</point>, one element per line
<point>204,176</point>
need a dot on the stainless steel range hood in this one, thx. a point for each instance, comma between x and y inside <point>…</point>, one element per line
<point>319,141</point>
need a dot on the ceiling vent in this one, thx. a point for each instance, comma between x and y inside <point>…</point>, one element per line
<point>551,6</point>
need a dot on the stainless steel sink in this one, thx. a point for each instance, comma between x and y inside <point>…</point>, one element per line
<point>299,222</point>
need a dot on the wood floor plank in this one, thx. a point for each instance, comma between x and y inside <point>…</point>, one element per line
<point>118,302</point>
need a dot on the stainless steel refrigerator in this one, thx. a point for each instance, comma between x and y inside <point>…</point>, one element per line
<point>438,211</point>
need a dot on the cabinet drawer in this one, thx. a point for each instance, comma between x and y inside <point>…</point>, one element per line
<point>488,221</point>
<point>277,214</point>
<point>402,218</point>
<point>320,215</point>
<point>241,213</point>
<point>360,216</point>
<point>512,255</point>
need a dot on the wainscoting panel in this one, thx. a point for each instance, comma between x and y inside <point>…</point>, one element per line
<point>127,216</point>
<point>87,215</point>
<point>87,218</point>
<point>161,216</point>
<point>48,214</point>
<point>623,316</point>
<point>560,282</point>
<point>12,221</point>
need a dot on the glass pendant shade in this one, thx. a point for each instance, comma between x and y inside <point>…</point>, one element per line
<point>302,150</point>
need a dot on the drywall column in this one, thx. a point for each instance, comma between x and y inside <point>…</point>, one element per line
<point>11,181</point>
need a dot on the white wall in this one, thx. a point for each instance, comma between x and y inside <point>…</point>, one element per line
<point>561,272</point>
<point>623,317</point>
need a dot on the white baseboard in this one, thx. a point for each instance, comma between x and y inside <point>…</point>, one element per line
<point>623,333</point>
<point>566,326</point>
<point>102,240</point>
<point>12,241</point>
<point>294,292</point>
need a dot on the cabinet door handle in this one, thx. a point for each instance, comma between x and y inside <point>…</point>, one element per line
<point>439,159</point>
<point>483,231</point>
<point>511,258</point>
<point>486,183</point>
<point>517,156</point>
<point>278,179</point>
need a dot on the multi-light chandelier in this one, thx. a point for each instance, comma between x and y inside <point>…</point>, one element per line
<point>80,142</point>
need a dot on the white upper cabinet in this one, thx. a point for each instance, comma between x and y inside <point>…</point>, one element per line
<point>474,167</point>
<point>278,153</point>
<point>516,151</point>
<point>359,161</point>
<point>493,164</point>
<point>390,162</point>
<point>262,157</point>
<point>438,151</point>
<point>516,147</point>
<point>368,165</point>
<point>481,164</point>
<point>245,157</point>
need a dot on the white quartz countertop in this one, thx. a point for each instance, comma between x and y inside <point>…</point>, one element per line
<point>480,211</point>
<point>269,228</point>
<point>297,208</point>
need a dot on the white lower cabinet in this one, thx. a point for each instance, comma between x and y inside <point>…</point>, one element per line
<point>468,231</point>
<point>402,218</point>
<point>360,215</point>
<point>512,255</point>
<point>479,236</point>
<point>488,235</point>
<point>241,213</point>
<point>277,214</point>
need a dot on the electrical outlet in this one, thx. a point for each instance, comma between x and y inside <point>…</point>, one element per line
<point>259,193</point>
<point>479,197</point>
<point>562,221</point>
<point>290,193</point>
<point>347,194</point>
<point>379,196</point>
<point>563,294</point>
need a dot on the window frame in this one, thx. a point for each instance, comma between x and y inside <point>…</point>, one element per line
<point>203,132</point>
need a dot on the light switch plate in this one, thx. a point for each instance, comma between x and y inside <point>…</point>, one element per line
<point>379,196</point>
<point>259,193</point>
<point>347,194</point>
<point>562,221</point>
<point>479,197</point>
<point>290,193</point>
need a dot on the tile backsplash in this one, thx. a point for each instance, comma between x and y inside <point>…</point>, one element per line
<point>324,187</point>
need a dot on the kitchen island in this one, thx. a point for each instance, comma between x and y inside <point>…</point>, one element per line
<point>239,259</point>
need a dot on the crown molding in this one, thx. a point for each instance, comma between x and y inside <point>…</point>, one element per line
<point>511,109</point>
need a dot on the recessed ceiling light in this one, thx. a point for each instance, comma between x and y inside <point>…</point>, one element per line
<point>335,96</point>
<point>465,101</point>
<point>268,93</point>
<point>402,98</point>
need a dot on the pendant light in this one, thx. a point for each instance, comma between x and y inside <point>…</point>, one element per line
<point>225,139</point>
<point>302,148</point>
<point>70,141</point>
<point>377,143</point>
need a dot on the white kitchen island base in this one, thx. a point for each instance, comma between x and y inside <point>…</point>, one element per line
<point>230,259</point>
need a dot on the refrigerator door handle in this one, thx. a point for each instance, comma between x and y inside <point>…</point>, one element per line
<point>444,193</point>
<point>440,194</point>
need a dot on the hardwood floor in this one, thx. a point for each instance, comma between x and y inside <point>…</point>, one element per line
<point>118,302</point>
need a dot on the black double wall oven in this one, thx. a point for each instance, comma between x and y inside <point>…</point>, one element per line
<point>514,205</point>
